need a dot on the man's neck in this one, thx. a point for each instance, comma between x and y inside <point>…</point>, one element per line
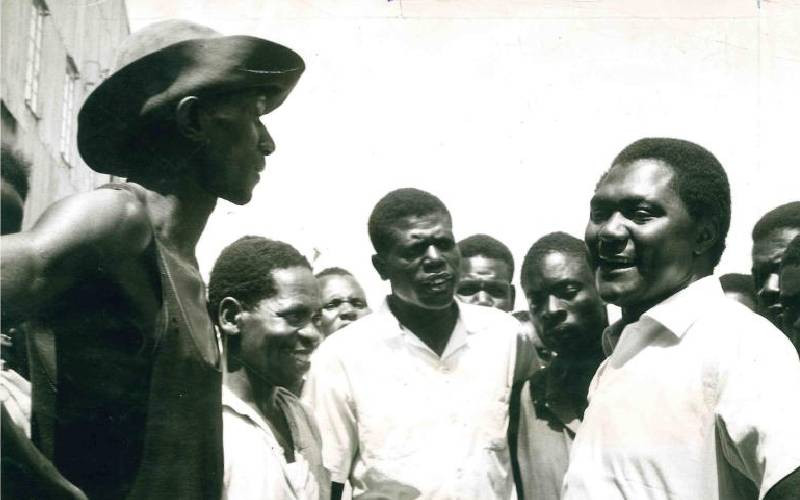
<point>632,313</point>
<point>432,326</point>
<point>181,211</point>
<point>259,395</point>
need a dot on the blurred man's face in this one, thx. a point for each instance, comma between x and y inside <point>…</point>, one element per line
<point>790,300</point>
<point>767,256</point>
<point>564,303</point>
<point>423,261</point>
<point>640,236</point>
<point>486,281</point>
<point>343,301</point>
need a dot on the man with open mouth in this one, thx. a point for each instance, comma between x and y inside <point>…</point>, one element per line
<point>263,296</point>
<point>412,400</point>
<point>698,398</point>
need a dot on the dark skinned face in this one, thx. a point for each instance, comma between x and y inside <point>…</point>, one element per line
<point>640,236</point>
<point>237,144</point>
<point>278,336</point>
<point>486,281</point>
<point>423,261</point>
<point>767,256</point>
<point>790,300</point>
<point>343,301</point>
<point>564,303</point>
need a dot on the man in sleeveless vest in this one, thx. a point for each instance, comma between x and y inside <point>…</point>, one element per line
<point>125,365</point>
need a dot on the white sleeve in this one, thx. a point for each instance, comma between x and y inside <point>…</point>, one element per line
<point>758,408</point>
<point>327,392</point>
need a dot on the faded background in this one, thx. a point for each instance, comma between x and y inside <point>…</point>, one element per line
<point>507,110</point>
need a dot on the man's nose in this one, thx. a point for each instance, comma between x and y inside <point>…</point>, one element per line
<point>310,335</point>
<point>553,310</point>
<point>483,299</point>
<point>613,234</point>
<point>347,311</point>
<point>265,143</point>
<point>433,258</point>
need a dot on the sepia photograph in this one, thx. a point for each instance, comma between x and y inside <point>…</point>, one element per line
<point>400,249</point>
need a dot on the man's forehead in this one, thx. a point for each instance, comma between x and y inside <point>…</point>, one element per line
<point>480,266</point>
<point>294,282</point>
<point>771,247</point>
<point>558,266</point>
<point>421,226</point>
<point>641,178</point>
<point>339,284</point>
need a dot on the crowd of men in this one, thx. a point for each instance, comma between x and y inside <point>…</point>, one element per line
<point>124,377</point>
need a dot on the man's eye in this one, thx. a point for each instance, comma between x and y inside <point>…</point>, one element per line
<point>358,304</point>
<point>641,215</point>
<point>597,215</point>
<point>569,292</point>
<point>333,304</point>
<point>468,289</point>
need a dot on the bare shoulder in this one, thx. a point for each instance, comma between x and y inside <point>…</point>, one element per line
<point>109,221</point>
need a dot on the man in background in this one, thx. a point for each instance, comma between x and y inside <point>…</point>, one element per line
<point>558,282</point>
<point>771,235</point>
<point>343,299</point>
<point>487,271</point>
<point>790,292</point>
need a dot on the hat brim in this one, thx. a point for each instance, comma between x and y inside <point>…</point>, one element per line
<point>137,93</point>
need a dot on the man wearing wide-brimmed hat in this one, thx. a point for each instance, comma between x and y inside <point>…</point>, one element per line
<point>127,382</point>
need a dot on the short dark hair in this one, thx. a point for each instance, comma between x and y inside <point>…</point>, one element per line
<point>522,316</point>
<point>737,282</point>
<point>15,170</point>
<point>700,180</point>
<point>791,257</point>
<point>396,205</point>
<point>333,271</point>
<point>783,216</point>
<point>244,271</point>
<point>558,241</point>
<point>486,246</point>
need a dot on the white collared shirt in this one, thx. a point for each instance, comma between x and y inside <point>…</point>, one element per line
<point>401,422</point>
<point>700,399</point>
<point>255,464</point>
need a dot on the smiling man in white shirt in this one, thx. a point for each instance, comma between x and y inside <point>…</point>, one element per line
<point>412,400</point>
<point>699,397</point>
<point>262,296</point>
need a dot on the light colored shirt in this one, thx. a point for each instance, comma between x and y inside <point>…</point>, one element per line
<point>255,464</point>
<point>402,422</point>
<point>699,400</point>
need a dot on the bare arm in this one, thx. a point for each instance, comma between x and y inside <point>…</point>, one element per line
<point>29,461</point>
<point>73,238</point>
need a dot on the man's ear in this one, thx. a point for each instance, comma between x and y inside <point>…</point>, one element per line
<point>187,116</point>
<point>379,263</point>
<point>229,316</point>
<point>706,236</point>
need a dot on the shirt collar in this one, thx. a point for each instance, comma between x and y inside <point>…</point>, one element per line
<point>675,314</point>
<point>237,405</point>
<point>458,338</point>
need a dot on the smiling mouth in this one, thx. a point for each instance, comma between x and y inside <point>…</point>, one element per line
<point>611,264</point>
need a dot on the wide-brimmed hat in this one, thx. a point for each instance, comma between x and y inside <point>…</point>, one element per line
<point>160,65</point>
